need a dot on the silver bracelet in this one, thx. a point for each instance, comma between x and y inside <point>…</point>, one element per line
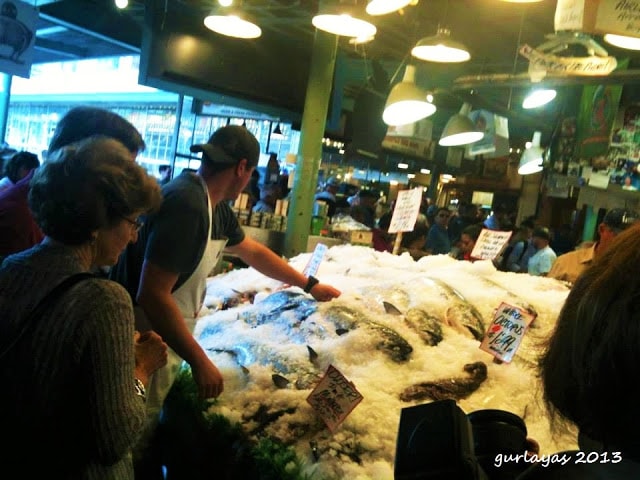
<point>140,390</point>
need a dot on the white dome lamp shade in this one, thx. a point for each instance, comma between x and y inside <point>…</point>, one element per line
<point>539,97</point>
<point>407,103</point>
<point>622,41</point>
<point>345,19</point>
<point>441,48</point>
<point>531,160</point>
<point>460,130</point>
<point>382,7</point>
<point>234,24</point>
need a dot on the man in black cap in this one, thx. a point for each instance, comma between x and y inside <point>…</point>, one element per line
<point>165,271</point>
<point>570,265</point>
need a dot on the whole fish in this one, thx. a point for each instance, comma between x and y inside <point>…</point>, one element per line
<point>387,340</point>
<point>461,314</point>
<point>449,388</point>
<point>427,326</point>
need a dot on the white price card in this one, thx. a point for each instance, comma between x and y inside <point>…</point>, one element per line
<point>334,398</point>
<point>406,210</point>
<point>506,331</point>
<point>489,244</point>
<point>316,259</point>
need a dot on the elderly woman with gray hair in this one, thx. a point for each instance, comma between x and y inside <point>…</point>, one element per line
<point>73,369</point>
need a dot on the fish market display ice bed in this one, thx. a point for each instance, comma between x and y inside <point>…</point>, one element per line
<point>403,332</point>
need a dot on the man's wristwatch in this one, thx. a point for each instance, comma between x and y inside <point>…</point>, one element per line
<point>311,282</point>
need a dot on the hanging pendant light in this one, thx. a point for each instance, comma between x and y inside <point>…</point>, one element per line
<point>441,48</point>
<point>343,17</point>
<point>539,97</point>
<point>232,24</point>
<point>521,1</point>
<point>382,7</point>
<point>622,41</point>
<point>277,133</point>
<point>460,130</point>
<point>531,160</point>
<point>407,103</point>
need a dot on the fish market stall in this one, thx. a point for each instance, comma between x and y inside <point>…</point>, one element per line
<point>404,332</point>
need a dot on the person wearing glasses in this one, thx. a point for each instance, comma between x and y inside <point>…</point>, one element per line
<point>166,270</point>
<point>75,372</point>
<point>570,265</point>
<point>438,238</point>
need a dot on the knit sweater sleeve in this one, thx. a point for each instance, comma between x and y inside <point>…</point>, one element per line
<point>117,414</point>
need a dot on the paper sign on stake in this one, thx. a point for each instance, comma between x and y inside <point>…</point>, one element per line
<point>406,210</point>
<point>334,398</point>
<point>314,262</point>
<point>489,244</point>
<point>506,331</point>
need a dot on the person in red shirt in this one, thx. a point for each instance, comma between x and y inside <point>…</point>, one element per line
<point>19,230</point>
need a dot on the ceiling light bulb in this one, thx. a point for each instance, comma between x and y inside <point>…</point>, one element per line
<point>232,26</point>
<point>441,48</point>
<point>343,20</point>
<point>407,103</point>
<point>225,3</point>
<point>538,98</point>
<point>382,7</point>
<point>622,41</point>
<point>403,166</point>
<point>460,130</point>
<point>122,3</point>
<point>531,160</point>
<point>425,171</point>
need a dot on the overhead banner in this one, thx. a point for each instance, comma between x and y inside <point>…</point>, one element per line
<point>17,37</point>
<point>586,66</point>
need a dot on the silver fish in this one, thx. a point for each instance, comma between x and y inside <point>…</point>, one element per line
<point>450,388</point>
<point>427,326</point>
<point>462,315</point>
<point>273,307</point>
<point>513,298</point>
<point>387,340</point>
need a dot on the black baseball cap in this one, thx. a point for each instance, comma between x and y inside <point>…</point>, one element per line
<point>619,219</point>
<point>229,145</point>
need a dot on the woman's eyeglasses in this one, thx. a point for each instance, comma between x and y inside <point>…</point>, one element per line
<point>137,224</point>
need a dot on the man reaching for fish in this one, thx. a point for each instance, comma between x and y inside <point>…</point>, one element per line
<point>166,270</point>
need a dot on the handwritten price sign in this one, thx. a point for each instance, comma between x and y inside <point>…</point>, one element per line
<point>506,331</point>
<point>334,398</point>
<point>406,210</point>
<point>489,244</point>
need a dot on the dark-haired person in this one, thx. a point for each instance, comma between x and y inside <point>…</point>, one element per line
<point>590,364</point>
<point>541,262</point>
<point>179,245</point>
<point>18,167</point>
<point>468,239</point>
<point>74,377</point>
<point>18,230</point>
<point>438,238</point>
<point>570,265</point>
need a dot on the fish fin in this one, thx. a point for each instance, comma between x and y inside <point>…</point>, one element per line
<point>313,355</point>
<point>279,381</point>
<point>341,331</point>
<point>391,308</point>
<point>244,369</point>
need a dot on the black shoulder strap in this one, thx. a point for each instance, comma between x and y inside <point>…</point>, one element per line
<point>524,249</point>
<point>47,301</point>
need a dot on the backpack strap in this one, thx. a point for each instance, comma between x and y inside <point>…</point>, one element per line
<point>46,302</point>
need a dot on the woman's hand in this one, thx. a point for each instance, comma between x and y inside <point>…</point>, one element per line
<point>150,354</point>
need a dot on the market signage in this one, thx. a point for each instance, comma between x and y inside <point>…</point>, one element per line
<point>334,398</point>
<point>583,66</point>
<point>505,333</point>
<point>489,244</point>
<point>405,213</point>
<point>17,37</point>
<point>620,17</point>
